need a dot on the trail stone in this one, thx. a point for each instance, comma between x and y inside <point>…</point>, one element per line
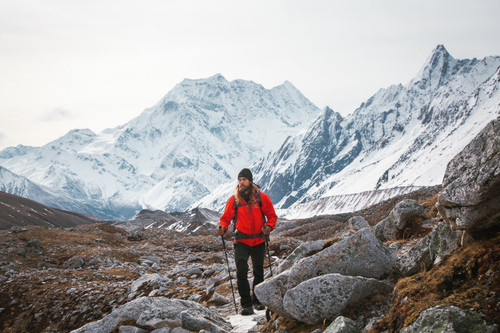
<point>326,296</point>
<point>470,197</point>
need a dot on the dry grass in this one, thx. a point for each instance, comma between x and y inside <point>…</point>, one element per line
<point>470,278</point>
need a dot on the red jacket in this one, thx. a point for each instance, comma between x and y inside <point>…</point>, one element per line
<point>250,223</point>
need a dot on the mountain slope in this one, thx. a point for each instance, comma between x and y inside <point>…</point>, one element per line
<point>197,137</point>
<point>17,211</point>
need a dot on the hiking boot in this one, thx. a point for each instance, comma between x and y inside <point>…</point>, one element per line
<point>247,311</point>
<point>259,306</point>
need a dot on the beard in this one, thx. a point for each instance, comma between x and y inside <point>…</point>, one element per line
<point>244,192</point>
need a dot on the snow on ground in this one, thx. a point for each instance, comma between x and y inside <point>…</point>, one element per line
<point>242,324</point>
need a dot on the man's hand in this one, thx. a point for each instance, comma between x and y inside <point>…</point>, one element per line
<point>266,230</point>
<point>221,231</point>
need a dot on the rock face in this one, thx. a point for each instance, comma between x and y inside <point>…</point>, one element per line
<point>427,251</point>
<point>335,276</point>
<point>158,312</point>
<point>393,226</point>
<point>470,198</point>
<point>326,296</point>
<point>450,319</point>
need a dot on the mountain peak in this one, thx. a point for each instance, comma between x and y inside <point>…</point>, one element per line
<point>437,68</point>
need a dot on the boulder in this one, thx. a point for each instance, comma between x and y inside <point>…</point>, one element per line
<point>427,251</point>
<point>158,312</point>
<point>450,319</point>
<point>470,197</point>
<point>393,226</point>
<point>359,253</point>
<point>272,291</point>
<point>326,296</point>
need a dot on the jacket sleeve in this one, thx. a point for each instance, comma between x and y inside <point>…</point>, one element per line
<point>268,210</point>
<point>228,215</point>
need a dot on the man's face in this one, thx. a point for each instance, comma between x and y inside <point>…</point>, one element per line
<point>243,183</point>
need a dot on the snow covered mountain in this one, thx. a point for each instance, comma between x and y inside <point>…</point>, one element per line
<point>195,138</point>
<point>402,137</point>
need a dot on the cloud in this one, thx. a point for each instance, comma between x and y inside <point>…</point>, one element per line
<point>57,114</point>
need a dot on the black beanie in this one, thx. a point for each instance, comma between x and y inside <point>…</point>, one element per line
<point>247,174</point>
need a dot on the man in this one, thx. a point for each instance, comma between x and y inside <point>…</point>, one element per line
<point>251,226</point>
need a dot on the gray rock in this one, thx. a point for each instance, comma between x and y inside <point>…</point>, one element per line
<point>450,319</point>
<point>161,330</point>
<point>154,281</point>
<point>131,329</point>
<point>470,198</point>
<point>392,227</point>
<point>359,253</point>
<point>272,291</point>
<point>149,260</point>
<point>357,222</point>
<point>428,251</point>
<point>342,325</point>
<point>193,322</point>
<point>326,296</point>
<point>34,243</point>
<point>77,264</point>
<point>158,312</point>
<point>193,258</point>
<point>179,330</point>
<point>218,299</point>
<point>301,251</point>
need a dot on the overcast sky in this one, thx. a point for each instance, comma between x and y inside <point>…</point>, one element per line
<point>98,63</point>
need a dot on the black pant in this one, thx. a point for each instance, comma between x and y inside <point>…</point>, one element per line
<point>241,254</point>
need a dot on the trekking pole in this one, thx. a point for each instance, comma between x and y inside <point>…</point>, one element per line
<point>266,239</point>
<point>229,272</point>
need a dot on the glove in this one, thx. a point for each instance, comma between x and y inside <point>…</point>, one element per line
<point>221,230</point>
<point>266,230</point>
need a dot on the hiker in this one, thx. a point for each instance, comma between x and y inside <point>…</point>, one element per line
<point>250,208</point>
